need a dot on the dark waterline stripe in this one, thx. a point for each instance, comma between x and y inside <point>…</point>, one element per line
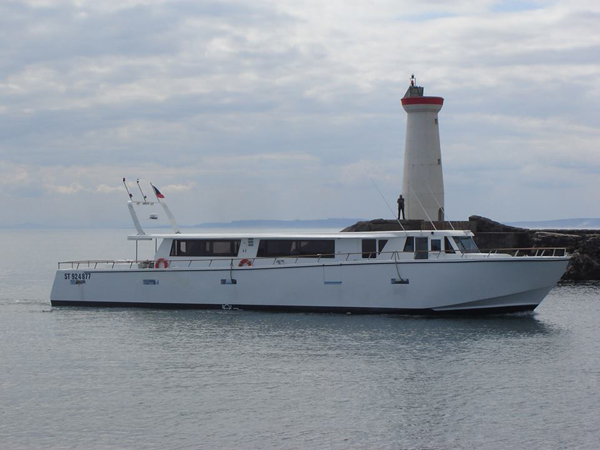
<point>318,309</point>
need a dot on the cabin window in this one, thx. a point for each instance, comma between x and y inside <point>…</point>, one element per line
<point>287,247</point>
<point>409,245</point>
<point>371,246</point>
<point>448,246</point>
<point>436,245</point>
<point>368,248</point>
<point>205,247</point>
<point>422,251</point>
<point>465,244</point>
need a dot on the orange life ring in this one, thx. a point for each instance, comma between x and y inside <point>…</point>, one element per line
<point>245,262</point>
<point>162,261</point>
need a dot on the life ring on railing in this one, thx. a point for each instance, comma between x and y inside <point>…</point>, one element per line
<point>245,262</point>
<point>162,261</point>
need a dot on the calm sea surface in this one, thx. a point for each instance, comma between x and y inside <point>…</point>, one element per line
<point>96,378</point>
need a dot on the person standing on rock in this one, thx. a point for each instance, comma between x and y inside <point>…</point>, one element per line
<point>401,207</point>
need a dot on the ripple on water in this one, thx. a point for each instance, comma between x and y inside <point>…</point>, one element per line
<point>128,378</point>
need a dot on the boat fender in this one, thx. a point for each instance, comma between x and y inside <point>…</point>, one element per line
<point>162,261</point>
<point>245,262</point>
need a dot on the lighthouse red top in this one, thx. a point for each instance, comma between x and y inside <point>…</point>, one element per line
<point>414,95</point>
<point>422,101</point>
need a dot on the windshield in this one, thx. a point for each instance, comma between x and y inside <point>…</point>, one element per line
<point>465,244</point>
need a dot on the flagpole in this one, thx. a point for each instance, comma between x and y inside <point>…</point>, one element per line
<point>158,196</point>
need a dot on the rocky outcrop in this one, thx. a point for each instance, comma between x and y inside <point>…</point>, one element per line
<point>485,225</point>
<point>394,225</point>
<point>376,225</point>
<point>585,248</point>
<point>554,239</point>
<point>584,245</point>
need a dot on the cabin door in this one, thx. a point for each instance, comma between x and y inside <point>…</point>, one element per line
<point>421,248</point>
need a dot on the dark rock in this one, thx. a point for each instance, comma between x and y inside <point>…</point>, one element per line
<point>501,240</point>
<point>485,225</point>
<point>590,244</point>
<point>585,250</point>
<point>384,225</point>
<point>582,267</point>
<point>554,239</point>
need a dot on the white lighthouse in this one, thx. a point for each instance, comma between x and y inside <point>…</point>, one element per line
<point>422,182</point>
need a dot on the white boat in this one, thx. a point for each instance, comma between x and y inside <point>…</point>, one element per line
<point>406,272</point>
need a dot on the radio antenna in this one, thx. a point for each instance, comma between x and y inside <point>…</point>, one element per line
<point>138,183</point>
<point>127,189</point>
<point>388,205</point>
<point>421,204</point>
<point>441,207</point>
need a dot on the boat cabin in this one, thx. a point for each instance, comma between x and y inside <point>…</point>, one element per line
<point>219,250</point>
<point>259,249</point>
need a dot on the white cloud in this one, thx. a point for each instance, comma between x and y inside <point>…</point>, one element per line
<point>72,188</point>
<point>179,187</point>
<point>276,106</point>
<point>106,189</point>
<point>13,175</point>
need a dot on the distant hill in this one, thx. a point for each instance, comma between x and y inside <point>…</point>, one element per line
<point>339,224</point>
<point>317,223</point>
<point>580,224</point>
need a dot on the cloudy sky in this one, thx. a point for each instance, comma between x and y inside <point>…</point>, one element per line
<point>285,109</point>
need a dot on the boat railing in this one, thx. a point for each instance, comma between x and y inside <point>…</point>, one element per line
<point>94,263</point>
<point>241,262</point>
<point>528,251</point>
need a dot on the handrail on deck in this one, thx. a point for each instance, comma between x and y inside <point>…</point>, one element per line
<point>529,251</point>
<point>279,260</point>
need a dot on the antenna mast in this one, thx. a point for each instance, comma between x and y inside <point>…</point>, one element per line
<point>441,207</point>
<point>127,189</point>
<point>142,192</point>
<point>134,217</point>
<point>421,204</point>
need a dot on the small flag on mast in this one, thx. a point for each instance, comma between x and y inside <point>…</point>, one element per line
<point>157,192</point>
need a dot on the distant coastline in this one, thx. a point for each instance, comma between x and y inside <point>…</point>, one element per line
<point>316,223</point>
<point>337,223</point>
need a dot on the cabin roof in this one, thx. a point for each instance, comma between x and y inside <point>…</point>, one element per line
<point>306,235</point>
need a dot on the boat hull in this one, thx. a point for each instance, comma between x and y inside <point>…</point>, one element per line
<point>415,287</point>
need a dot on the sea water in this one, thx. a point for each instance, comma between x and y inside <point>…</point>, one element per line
<point>100,378</point>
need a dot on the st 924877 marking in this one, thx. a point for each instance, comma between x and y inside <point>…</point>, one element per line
<point>78,275</point>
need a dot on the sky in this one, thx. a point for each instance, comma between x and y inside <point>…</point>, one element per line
<point>287,109</point>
